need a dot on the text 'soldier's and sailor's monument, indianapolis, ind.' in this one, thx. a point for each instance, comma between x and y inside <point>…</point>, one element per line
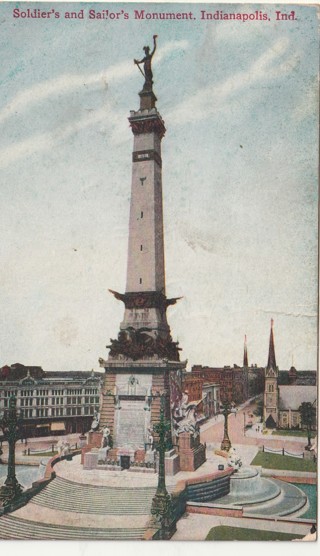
<point>144,367</point>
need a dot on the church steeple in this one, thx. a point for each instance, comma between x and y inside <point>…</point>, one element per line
<point>271,356</point>
<point>271,389</point>
<point>245,353</point>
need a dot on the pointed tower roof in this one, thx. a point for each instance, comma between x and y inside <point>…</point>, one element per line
<point>272,356</point>
<point>245,353</point>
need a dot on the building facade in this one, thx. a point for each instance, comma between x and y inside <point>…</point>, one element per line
<point>232,381</point>
<point>51,402</point>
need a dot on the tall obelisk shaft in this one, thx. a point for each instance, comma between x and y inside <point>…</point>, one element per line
<point>145,271</point>
<point>144,331</point>
<point>145,286</point>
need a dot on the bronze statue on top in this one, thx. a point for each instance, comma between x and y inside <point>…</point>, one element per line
<point>146,61</point>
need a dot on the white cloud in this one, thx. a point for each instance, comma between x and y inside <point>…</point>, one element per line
<point>45,141</point>
<point>63,85</point>
<point>68,82</point>
<point>206,101</point>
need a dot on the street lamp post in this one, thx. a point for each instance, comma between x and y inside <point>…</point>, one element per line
<point>161,508</point>
<point>10,424</point>
<point>226,410</point>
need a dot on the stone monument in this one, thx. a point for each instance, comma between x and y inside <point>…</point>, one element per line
<point>144,361</point>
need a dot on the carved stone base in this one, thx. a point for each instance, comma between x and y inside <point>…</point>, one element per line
<point>9,492</point>
<point>172,463</point>
<point>94,439</point>
<point>192,453</point>
<point>163,515</point>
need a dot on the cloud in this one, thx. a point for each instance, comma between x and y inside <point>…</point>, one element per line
<point>45,141</point>
<point>68,82</point>
<point>62,85</point>
<point>265,68</point>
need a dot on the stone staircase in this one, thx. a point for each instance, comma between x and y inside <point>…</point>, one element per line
<point>65,495</point>
<point>12,527</point>
<point>126,511</point>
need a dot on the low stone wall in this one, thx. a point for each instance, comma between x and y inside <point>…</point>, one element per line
<point>302,477</point>
<point>209,510</point>
<point>300,480</point>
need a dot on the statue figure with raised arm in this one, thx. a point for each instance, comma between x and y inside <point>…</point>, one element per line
<point>146,61</point>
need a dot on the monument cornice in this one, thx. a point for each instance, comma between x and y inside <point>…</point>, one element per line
<point>142,365</point>
<point>145,300</point>
<point>147,123</point>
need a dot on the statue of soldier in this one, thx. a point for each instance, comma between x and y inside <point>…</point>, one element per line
<point>146,61</point>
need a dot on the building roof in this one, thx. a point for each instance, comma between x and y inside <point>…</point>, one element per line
<point>291,397</point>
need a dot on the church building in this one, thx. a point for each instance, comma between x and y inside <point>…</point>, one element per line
<point>282,401</point>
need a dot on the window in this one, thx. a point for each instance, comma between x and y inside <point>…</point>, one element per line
<point>141,248</point>
<point>270,387</point>
<point>141,214</point>
<point>140,280</point>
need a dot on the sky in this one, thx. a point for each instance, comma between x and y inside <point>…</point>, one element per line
<point>239,100</point>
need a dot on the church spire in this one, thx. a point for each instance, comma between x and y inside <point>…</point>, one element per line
<point>272,356</point>
<point>245,353</point>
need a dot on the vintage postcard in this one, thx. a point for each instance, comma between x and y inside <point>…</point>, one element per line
<point>159,195</point>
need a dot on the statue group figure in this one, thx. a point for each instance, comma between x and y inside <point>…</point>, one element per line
<point>95,422</point>
<point>105,438</point>
<point>146,61</point>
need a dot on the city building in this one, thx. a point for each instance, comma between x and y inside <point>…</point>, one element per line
<point>205,394</point>
<point>211,399</point>
<point>51,402</point>
<point>233,381</point>
<point>285,391</point>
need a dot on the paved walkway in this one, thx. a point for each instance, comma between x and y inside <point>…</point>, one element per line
<point>130,479</point>
<point>212,433</point>
<point>195,527</point>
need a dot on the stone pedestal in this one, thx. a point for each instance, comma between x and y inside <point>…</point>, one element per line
<point>150,456</point>
<point>103,454</point>
<point>171,462</point>
<point>192,453</point>
<point>91,460</point>
<point>94,439</point>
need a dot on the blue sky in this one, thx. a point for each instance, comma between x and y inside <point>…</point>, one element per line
<point>239,180</point>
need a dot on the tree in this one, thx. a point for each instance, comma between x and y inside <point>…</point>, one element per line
<point>308,419</point>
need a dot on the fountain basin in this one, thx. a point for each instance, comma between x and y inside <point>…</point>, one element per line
<point>258,496</point>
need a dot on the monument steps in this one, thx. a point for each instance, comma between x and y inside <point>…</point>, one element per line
<point>65,495</point>
<point>12,527</point>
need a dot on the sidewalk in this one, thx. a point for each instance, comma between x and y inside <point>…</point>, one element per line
<point>42,443</point>
<point>195,527</point>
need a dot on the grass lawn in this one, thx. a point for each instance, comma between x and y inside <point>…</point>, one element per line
<point>224,533</point>
<point>291,432</point>
<point>277,461</point>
